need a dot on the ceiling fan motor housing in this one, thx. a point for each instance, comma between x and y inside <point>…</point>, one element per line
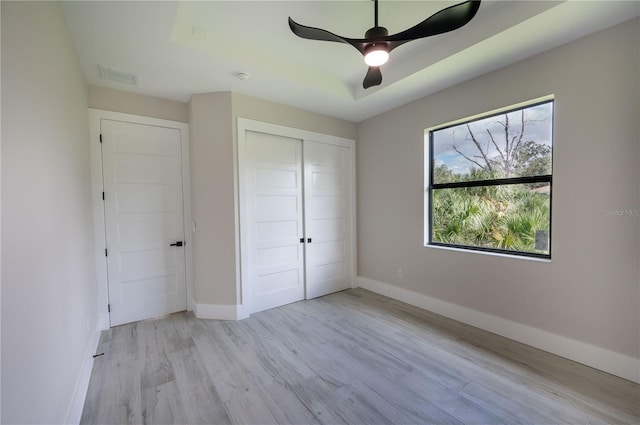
<point>376,33</point>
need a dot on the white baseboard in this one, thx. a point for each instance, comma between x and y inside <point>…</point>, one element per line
<point>74,413</point>
<point>220,312</point>
<point>621,365</point>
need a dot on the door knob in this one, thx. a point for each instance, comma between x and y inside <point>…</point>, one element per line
<point>179,243</point>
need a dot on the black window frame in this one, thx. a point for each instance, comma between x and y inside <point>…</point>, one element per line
<point>547,178</point>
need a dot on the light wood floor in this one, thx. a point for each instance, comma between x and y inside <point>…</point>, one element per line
<point>352,357</point>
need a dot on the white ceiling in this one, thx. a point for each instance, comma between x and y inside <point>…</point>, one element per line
<point>177,49</point>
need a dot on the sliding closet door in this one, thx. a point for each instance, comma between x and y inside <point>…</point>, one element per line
<point>272,167</point>
<point>328,222</point>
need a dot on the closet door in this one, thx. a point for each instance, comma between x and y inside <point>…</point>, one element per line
<point>274,203</point>
<point>328,222</point>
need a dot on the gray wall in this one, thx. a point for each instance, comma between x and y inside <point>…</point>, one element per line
<point>213,119</point>
<point>137,104</point>
<point>49,315</point>
<point>590,290</point>
<point>212,195</point>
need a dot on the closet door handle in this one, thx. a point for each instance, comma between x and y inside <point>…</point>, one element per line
<point>301,240</point>
<point>308,240</point>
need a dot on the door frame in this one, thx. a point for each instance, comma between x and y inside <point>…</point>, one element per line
<point>243,291</point>
<point>100,244</point>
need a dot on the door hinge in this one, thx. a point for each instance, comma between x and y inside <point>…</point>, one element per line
<point>105,252</point>
<point>108,308</point>
<point>100,138</point>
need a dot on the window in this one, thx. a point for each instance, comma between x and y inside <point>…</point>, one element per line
<point>489,182</point>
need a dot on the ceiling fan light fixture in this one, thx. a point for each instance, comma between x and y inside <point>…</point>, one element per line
<point>376,55</point>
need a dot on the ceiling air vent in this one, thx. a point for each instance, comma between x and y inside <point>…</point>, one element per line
<point>118,76</point>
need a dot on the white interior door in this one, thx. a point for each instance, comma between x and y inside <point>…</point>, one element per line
<point>142,172</point>
<point>328,220</point>
<point>272,167</point>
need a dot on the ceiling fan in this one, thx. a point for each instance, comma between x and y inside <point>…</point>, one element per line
<point>377,43</point>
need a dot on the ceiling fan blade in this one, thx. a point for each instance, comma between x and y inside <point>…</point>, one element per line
<point>446,20</point>
<point>314,33</point>
<point>373,77</point>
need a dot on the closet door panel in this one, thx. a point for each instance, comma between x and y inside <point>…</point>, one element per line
<point>328,195</point>
<point>273,189</point>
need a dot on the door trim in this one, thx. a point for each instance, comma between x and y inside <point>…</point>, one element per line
<point>102,285</point>
<point>243,125</point>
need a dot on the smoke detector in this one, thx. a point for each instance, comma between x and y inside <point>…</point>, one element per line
<point>243,76</point>
<point>118,76</point>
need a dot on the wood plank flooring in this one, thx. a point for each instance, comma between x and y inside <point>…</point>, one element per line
<point>353,357</point>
